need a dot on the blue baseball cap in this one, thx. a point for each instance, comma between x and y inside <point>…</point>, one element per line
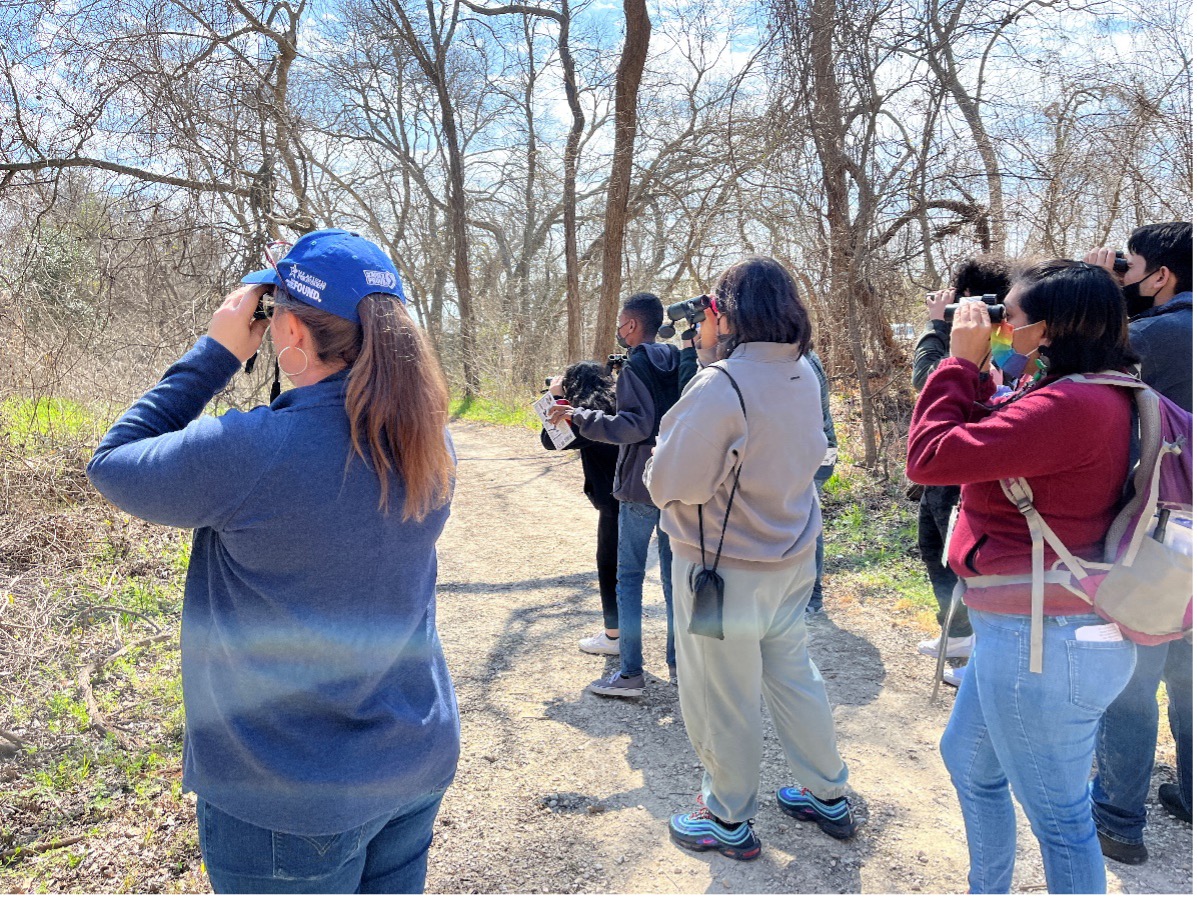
<point>332,270</point>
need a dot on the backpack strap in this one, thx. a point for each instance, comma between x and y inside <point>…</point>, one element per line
<point>702,548</point>
<point>1018,491</point>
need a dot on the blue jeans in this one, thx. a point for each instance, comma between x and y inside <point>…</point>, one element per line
<point>636,525</point>
<point>388,855</point>
<point>1127,735</point>
<point>1033,733</point>
<point>816,597</point>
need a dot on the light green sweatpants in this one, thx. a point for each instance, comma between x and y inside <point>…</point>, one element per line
<point>721,681</point>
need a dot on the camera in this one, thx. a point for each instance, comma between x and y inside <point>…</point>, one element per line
<point>1121,263</point>
<point>997,311</point>
<point>689,309</point>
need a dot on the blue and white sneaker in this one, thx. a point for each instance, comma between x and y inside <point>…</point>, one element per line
<point>701,831</point>
<point>834,817</point>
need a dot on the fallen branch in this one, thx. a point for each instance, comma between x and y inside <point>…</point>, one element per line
<point>98,722</point>
<point>13,738</point>
<point>116,609</point>
<point>38,848</point>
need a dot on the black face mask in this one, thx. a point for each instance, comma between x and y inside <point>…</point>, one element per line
<point>1137,303</point>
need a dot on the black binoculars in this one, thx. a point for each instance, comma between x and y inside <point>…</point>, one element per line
<point>997,311</point>
<point>689,309</point>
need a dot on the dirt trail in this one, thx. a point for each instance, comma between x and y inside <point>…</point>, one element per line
<point>562,791</point>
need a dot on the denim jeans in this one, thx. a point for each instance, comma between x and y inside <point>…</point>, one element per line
<point>1033,733</point>
<point>816,597</point>
<point>637,522</point>
<point>1127,735</point>
<point>388,855</point>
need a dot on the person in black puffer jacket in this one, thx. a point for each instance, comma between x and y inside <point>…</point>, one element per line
<point>588,385</point>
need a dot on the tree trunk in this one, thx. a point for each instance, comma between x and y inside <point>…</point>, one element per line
<point>627,86</point>
<point>828,126</point>
<point>573,289</point>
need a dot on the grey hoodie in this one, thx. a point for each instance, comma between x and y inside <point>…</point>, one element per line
<point>631,426</point>
<point>775,516</point>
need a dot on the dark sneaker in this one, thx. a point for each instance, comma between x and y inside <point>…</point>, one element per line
<point>702,831</point>
<point>1131,854</point>
<point>618,685</point>
<point>834,817</point>
<point>1173,803</point>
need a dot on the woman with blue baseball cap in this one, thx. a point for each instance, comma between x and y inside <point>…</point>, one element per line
<point>321,723</point>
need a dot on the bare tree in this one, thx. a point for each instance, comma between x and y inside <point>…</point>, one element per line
<point>638,30</point>
<point>209,81</point>
<point>569,201</point>
<point>430,46</point>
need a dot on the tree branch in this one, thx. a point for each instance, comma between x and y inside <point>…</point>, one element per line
<point>11,168</point>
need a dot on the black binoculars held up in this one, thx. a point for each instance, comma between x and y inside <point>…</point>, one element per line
<point>997,311</point>
<point>689,309</point>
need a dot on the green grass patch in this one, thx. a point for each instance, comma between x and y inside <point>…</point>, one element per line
<point>492,411</point>
<point>871,534</point>
<point>67,714</point>
<point>49,419</point>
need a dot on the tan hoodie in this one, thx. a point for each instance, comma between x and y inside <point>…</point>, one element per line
<point>775,516</point>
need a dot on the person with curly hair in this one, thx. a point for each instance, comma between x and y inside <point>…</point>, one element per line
<point>588,385</point>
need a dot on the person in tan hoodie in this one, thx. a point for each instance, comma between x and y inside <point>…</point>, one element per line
<point>733,474</point>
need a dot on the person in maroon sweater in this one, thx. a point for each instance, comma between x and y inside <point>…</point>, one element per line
<point>1010,728</point>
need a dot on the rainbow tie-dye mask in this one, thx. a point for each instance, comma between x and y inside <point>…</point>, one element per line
<point>1001,347</point>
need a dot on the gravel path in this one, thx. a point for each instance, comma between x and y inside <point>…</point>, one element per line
<point>562,791</point>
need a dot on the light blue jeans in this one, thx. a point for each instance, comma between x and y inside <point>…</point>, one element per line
<point>1033,733</point>
<point>637,522</point>
<point>387,855</point>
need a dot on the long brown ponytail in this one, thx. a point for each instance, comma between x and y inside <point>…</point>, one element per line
<point>396,397</point>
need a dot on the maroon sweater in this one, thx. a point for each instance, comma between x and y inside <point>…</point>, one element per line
<point>1070,441</point>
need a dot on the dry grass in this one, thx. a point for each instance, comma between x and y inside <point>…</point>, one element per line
<point>90,699</point>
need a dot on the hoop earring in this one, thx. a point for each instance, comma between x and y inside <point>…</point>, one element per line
<point>293,374</point>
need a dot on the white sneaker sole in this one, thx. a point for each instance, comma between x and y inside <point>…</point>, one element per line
<point>933,652</point>
<point>591,649</point>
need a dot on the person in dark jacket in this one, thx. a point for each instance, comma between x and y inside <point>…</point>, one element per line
<point>1158,288</point>
<point>588,385</point>
<point>646,389</point>
<point>815,605</point>
<point>321,724</point>
<point>976,276</point>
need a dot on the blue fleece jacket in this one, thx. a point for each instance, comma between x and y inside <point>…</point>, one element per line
<point>315,689</point>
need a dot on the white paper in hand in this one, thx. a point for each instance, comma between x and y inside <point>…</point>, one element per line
<point>561,436</point>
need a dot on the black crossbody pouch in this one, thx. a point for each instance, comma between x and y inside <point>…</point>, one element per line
<point>706,618</point>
